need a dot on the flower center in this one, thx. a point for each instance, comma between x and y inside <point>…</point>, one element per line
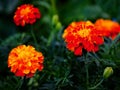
<point>84,32</point>
<point>25,11</point>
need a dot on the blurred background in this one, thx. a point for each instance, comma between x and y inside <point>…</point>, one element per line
<point>73,10</point>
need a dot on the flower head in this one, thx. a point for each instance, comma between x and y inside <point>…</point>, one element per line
<point>82,35</point>
<point>26,14</point>
<point>108,28</point>
<point>25,60</point>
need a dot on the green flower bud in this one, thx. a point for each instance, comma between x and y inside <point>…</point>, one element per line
<point>58,26</point>
<point>36,84</point>
<point>55,19</point>
<point>107,72</point>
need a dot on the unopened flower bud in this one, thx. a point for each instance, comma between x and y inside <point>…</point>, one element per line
<point>55,19</point>
<point>107,72</point>
<point>58,26</point>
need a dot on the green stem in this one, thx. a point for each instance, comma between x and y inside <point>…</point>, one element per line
<point>87,73</point>
<point>21,83</point>
<point>53,4</point>
<point>50,38</point>
<point>33,35</point>
<point>94,87</point>
<point>52,33</point>
<point>87,76</point>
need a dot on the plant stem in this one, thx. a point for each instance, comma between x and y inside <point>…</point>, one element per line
<point>86,70</point>
<point>33,35</point>
<point>21,83</point>
<point>94,87</point>
<point>87,74</point>
<point>52,32</point>
<point>53,4</point>
<point>50,38</point>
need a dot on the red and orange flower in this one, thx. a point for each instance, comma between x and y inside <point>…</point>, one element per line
<point>108,28</point>
<point>26,14</point>
<point>82,35</point>
<point>25,60</point>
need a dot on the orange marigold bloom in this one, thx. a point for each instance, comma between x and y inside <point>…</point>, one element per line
<point>82,35</point>
<point>26,14</point>
<point>25,60</point>
<point>108,28</point>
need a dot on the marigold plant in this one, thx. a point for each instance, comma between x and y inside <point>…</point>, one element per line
<point>82,35</point>
<point>25,60</point>
<point>108,28</point>
<point>26,14</point>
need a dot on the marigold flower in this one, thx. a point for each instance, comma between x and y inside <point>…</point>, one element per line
<point>82,35</point>
<point>25,60</point>
<point>26,14</point>
<point>108,28</point>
